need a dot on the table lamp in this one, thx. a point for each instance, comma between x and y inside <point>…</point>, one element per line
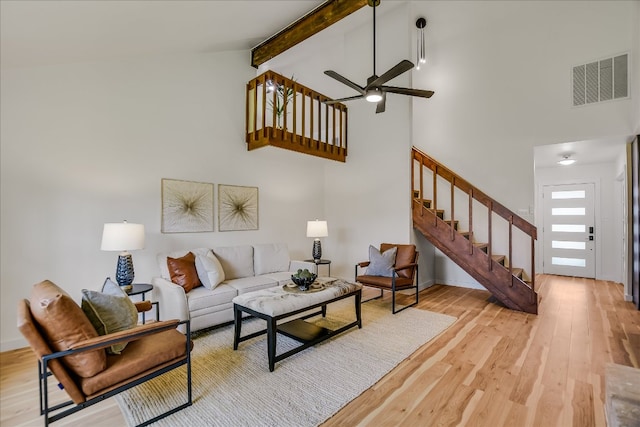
<point>123,237</point>
<point>317,229</point>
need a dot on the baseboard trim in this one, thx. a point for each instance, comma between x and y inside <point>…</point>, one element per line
<point>13,344</point>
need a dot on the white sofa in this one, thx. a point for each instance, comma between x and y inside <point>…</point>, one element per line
<point>246,268</point>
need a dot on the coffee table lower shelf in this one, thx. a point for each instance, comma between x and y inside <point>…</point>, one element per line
<point>306,333</point>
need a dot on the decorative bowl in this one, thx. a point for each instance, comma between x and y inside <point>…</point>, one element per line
<point>304,282</point>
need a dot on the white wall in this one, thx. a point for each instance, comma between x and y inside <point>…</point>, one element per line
<point>85,144</point>
<point>501,72</point>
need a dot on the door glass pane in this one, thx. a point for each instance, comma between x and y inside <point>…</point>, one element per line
<point>580,194</point>
<point>568,211</point>
<point>559,244</point>
<point>569,228</point>
<point>572,262</point>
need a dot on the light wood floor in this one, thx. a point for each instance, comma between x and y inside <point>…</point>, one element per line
<point>493,367</point>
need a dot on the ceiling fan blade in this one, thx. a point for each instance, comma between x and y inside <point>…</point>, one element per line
<point>381,104</point>
<point>349,98</point>
<point>408,91</point>
<point>401,67</point>
<point>345,81</point>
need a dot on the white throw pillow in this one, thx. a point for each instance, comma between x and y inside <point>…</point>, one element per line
<point>237,261</point>
<point>381,264</point>
<point>209,270</point>
<point>270,258</point>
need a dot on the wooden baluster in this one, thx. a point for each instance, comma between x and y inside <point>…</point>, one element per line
<point>264,107</point>
<point>422,166</point>
<point>470,220</point>
<point>294,135</point>
<point>304,117</point>
<point>511,248</point>
<point>435,195</point>
<point>453,185</point>
<point>533,269</point>
<point>490,238</point>
<point>333,140</point>
<point>311,125</point>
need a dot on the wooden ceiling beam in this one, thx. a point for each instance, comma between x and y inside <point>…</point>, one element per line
<point>325,15</point>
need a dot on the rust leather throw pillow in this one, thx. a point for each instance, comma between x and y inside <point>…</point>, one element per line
<point>64,324</point>
<point>183,271</point>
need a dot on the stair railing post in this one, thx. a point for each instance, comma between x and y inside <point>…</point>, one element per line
<point>471,220</point>
<point>435,195</point>
<point>453,185</point>
<point>490,238</point>
<point>533,270</point>
<point>511,248</point>
<point>422,166</point>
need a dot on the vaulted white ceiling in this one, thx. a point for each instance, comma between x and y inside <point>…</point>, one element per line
<point>53,32</point>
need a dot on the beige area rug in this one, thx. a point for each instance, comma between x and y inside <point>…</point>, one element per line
<point>235,388</point>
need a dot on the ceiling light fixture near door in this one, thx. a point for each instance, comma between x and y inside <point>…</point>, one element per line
<point>566,160</point>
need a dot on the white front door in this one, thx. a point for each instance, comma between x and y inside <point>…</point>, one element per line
<point>568,230</point>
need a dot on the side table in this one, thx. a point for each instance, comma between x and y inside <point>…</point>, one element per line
<point>141,289</point>
<point>318,262</point>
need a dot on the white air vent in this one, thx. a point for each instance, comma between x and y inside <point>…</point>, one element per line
<point>601,80</point>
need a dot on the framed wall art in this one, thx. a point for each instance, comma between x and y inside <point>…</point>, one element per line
<point>187,206</point>
<point>237,208</point>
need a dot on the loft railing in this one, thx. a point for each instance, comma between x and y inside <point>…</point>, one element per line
<point>283,113</point>
<point>436,170</point>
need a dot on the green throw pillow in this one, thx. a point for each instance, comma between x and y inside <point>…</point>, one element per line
<point>110,311</point>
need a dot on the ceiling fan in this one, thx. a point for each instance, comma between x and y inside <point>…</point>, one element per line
<point>375,90</point>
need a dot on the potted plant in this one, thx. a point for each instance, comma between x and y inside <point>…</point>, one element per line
<point>282,98</point>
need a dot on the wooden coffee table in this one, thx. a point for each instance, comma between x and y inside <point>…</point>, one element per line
<point>280,302</point>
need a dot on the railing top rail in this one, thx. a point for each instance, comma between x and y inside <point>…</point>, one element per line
<point>305,90</point>
<point>479,195</point>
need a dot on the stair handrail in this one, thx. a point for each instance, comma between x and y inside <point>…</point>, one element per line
<point>476,193</point>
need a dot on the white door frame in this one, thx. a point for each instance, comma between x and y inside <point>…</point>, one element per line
<point>540,216</point>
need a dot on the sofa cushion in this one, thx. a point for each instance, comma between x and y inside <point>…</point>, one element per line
<point>183,271</point>
<point>110,311</point>
<point>250,284</point>
<point>202,297</point>
<point>270,258</point>
<point>381,264</point>
<point>281,277</point>
<point>237,261</point>
<point>162,259</point>
<point>64,324</point>
<point>209,270</point>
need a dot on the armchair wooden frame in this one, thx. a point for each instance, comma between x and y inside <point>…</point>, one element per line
<point>45,361</point>
<point>394,283</point>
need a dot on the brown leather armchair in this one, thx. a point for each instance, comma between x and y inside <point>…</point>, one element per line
<point>404,274</point>
<point>68,347</point>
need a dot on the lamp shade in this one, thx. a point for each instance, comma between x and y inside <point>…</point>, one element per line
<point>122,236</point>
<point>317,229</point>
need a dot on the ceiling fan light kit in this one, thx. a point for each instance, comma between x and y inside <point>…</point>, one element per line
<point>375,90</point>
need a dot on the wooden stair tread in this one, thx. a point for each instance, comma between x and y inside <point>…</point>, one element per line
<point>500,259</point>
<point>517,272</point>
<point>484,247</point>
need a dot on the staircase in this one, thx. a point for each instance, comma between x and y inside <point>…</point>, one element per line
<point>282,113</point>
<point>435,201</point>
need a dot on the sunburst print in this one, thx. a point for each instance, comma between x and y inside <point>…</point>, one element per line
<point>187,206</point>
<point>237,208</point>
